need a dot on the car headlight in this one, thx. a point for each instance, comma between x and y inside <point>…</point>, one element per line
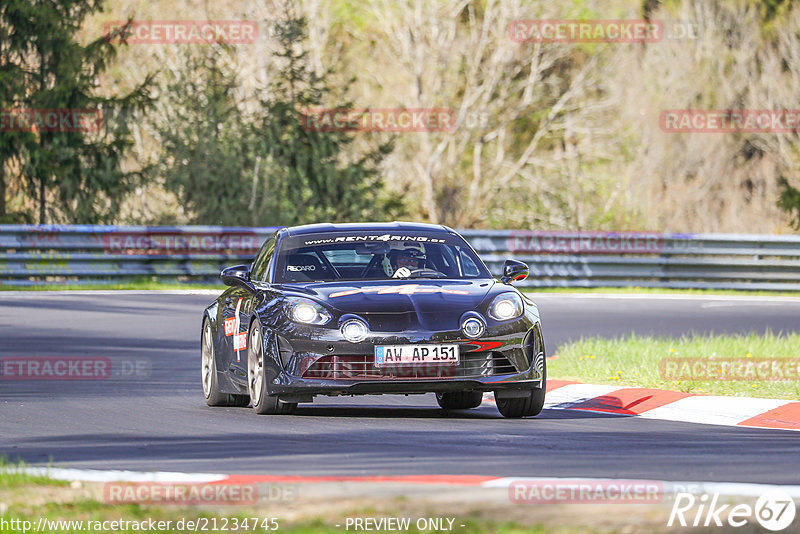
<point>506,306</point>
<point>354,330</point>
<point>307,311</point>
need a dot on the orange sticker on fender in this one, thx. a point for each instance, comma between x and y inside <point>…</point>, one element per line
<point>232,329</point>
<point>230,326</point>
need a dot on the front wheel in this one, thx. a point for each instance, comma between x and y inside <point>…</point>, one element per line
<point>459,400</point>
<point>522,406</point>
<point>530,405</point>
<point>263,404</point>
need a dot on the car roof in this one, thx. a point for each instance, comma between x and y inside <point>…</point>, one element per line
<point>366,227</point>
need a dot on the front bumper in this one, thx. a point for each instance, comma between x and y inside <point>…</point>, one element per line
<point>317,361</point>
<point>289,387</point>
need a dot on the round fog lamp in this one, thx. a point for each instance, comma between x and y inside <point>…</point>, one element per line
<point>354,330</point>
<point>472,327</point>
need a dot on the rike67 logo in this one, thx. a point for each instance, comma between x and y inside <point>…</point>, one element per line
<point>774,510</point>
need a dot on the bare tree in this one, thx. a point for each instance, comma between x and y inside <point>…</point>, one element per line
<point>507,97</point>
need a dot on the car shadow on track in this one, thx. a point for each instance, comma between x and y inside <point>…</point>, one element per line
<point>392,412</point>
<point>418,412</point>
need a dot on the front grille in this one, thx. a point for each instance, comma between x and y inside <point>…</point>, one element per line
<point>388,322</point>
<point>471,364</point>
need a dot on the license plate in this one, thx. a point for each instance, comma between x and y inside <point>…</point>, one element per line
<point>416,354</point>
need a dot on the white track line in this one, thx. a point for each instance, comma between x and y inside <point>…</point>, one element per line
<point>96,475</point>
<point>701,409</point>
<point>711,410</point>
<point>573,394</point>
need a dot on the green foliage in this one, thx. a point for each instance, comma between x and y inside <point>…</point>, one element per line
<point>232,168</point>
<point>316,174</point>
<point>79,173</point>
<point>12,86</point>
<point>16,217</point>
<point>772,9</point>
<point>789,201</point>
<point>208,157</point>
<point>15,474</point>
<point>234,158</point>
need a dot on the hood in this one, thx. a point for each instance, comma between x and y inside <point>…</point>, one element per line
<point>433,304</point>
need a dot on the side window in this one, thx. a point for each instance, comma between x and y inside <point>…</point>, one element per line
<point>467,265</point>
<point>260,268</point>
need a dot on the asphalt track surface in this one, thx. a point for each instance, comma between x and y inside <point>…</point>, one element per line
<point>150,414</point>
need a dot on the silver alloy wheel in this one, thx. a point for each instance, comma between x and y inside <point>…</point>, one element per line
<point>207,356</point>
<point>255,367</point>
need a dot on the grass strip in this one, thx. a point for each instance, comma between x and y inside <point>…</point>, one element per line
<point>670,363</point>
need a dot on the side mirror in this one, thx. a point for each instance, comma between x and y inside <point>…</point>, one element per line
<point>238,276</point>
<point>513,271</point>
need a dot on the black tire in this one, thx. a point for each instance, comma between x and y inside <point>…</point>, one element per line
<point>240,401</point>
<point>526,406</point>
<point>517,407</point>
<point>459,400</point>
<point>263,404</point>
<point>208,364</point>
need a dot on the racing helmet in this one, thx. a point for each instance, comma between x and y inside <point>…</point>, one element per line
<point>397,249</point>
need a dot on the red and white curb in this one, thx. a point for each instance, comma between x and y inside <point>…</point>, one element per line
<point>672,405</point>
<point>667,487</point>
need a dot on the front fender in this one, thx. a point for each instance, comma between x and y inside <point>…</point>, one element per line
<point>271,355</point>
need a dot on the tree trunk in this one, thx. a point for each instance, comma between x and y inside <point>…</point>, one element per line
<point>2,191</point>
<point>41,201</point>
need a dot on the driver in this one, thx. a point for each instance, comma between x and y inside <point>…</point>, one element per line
<point>403,259</point>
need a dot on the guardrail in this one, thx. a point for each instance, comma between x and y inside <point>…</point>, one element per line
<point>38,255</point>
<point>33,255</point>
<point>626,259</point>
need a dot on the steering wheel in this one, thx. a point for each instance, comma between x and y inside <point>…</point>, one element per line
<point>404,272</point>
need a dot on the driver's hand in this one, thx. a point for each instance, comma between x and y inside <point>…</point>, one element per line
<point>402,272</point>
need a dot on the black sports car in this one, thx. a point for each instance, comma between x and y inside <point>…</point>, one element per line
<point>358,309</point>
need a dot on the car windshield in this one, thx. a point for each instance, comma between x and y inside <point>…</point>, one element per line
<point>363,256</point>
